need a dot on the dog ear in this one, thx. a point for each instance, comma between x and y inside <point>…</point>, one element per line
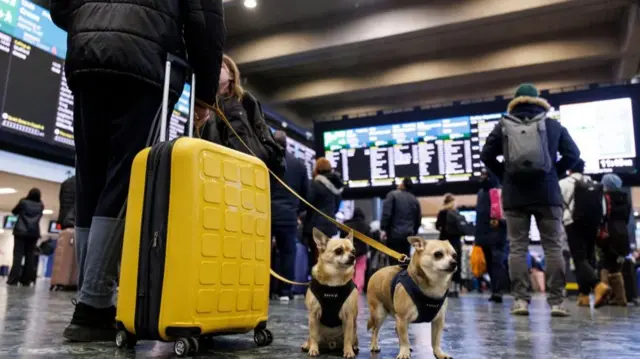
<point>350,236</point>
<point>321,239</point>
<point>416,242</point>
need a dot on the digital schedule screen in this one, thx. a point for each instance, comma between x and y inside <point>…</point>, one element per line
<point>303,152</point>
<point>34,98</point>
<point>448,150</point>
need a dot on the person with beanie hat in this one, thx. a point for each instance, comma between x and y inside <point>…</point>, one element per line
<point>614,237</point>
<point>524,196</point>
<point>581,237</point>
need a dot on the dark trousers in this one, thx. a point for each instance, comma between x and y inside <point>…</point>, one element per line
<point>112,120</point>
<point>23,248</point>
<point>582,245</point>
<point>113,116</point>
<point>457,245</point>
<point>400,245</point>
<point>495,255</point>
<point>286,237</point>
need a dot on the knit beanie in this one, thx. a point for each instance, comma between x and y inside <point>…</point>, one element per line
<point>528,90</point>
<point>611,181</point>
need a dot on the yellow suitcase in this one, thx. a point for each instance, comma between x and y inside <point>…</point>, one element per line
<point>196,251</point>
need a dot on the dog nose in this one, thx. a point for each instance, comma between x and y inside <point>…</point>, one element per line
<point>453,265</point>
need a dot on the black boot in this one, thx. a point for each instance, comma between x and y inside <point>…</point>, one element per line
<point>91,324</point>
<point>496,298</point>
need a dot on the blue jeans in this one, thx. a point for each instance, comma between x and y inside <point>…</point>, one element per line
<point>286,237</point>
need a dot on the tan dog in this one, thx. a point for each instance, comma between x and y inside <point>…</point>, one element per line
<point>427,278</point>
<point>332,299</point>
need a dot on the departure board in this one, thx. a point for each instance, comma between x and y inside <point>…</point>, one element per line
<point>448,150</point>
<point>35,100</point>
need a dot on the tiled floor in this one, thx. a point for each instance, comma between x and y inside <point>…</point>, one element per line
<point>33,318</point>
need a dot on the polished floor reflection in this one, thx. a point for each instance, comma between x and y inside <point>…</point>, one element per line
<point>33,318</point>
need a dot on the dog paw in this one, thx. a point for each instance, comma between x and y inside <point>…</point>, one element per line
<point>356,349</point>
<point>442,355</point>
<point>375,348</point>
<point>404,354</point>
<point>314,351</point>
<point>348,353</point>
<point>305,347</point>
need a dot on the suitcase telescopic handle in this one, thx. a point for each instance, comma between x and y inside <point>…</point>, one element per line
<point>171,59</point>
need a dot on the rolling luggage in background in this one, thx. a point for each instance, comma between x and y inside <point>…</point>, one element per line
<point>64,275</point>
<point>302,269</point>
<point>196,250</point>
<point>630,281</point>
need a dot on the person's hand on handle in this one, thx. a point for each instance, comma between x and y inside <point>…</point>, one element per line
<point>202,114</point>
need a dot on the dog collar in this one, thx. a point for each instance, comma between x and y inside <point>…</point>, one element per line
<point>331,300</point>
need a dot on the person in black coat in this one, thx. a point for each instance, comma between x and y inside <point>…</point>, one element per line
<point>445,221</point>
<point>285,210</point>
<point>401,218</point>
<point>232,97</point>
<point>26,233</point>
<point>359,223</point>
<point>67,197</point>
<point>115,68</point>
<point>325,193</point>
<point>524,196</point>
<point>491,236</point>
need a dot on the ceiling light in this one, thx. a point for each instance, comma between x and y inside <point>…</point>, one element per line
<point>47,211</point>
<point>7,190</point>
<point>250,4</point>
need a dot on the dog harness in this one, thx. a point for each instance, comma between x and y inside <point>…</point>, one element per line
<point>331,300</point>
<point>428,307</point>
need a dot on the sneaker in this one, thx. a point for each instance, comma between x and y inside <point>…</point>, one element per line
<point>284,299</point>
<point>90,324</point>
<point>559,311</point>
<point>520,307</point>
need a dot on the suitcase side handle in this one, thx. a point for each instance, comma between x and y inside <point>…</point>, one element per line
<point>165,96</point>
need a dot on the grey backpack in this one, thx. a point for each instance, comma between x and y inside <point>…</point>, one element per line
<point>525,145</point>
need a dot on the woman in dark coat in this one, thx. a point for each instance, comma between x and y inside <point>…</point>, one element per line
<point>25,235</point>
<point>491,236</point>
<point>443,224</point>
<point>325,193</point>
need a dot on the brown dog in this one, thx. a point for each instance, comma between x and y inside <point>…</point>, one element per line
<point>332,299</point>
<point>425,282</point>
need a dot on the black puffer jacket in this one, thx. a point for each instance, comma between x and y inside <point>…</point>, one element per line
<point>617,218</point>
<point>133,37</point>
<point>29,214</point>
<point>325,193</point>
<point>401,215</point>
<point>66,217</point>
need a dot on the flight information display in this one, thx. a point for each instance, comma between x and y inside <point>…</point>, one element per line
<point>303,152</point>
<point>35,100</point>
<point>448,150</point>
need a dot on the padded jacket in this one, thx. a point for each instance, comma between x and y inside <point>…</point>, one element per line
<point>133,38</point>
<point>29,214</point>
<point>325,193</point>
<point>401,215</point>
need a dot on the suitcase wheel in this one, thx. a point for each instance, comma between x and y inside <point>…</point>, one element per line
<point>124,340</point>
<point>263,337</point>
<point>185,346</point>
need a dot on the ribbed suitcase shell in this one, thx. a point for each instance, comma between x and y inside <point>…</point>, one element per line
<point>65,269</point>
<point>217,250</point>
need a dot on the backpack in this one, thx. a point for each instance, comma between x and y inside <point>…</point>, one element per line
<point>525,145</point>
<point>495,211</point>
<point>456,224</point>
<point>587,202</point>
<point>275,154</point>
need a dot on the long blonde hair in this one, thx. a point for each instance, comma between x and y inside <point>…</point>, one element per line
<point>235,84</point>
